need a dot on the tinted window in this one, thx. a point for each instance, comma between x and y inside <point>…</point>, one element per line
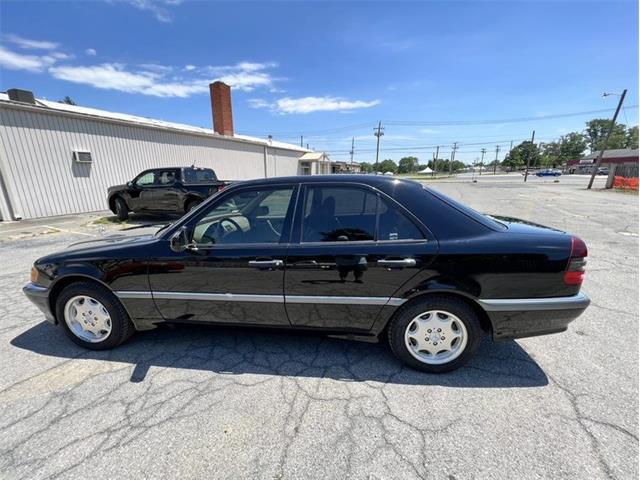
<point>250,216</point>
<point>196,175</point>
<point>338,214</point>
<point>165,177</point>
<point>393,224</point>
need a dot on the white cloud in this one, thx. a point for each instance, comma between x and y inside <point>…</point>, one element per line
<point>159,80</point>
<point>317,104</point>
<point>31,44</point>
<point>158,8</point>
<point>258,103</point>
<point>110,76</point>
<point>189,68</point>
<point>91,52</point>
<point>18,61</point>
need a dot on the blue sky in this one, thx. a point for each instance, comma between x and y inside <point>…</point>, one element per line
<point>331,71</point>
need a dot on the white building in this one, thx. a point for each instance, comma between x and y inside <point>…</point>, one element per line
<point>58,159</point>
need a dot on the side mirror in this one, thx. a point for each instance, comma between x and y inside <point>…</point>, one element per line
<point>180,241</point>
<point>130,183</point>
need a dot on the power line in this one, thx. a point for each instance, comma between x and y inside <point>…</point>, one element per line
<point>506,120</point>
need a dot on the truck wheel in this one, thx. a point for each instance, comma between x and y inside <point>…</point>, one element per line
<point>191,204</point>
<point>92,316</point>
<point>122,211</point>
<point>436,334</point>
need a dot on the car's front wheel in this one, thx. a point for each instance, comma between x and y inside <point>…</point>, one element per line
<point>122,211</point>
<point>92,316</point>
<point>435,334</point>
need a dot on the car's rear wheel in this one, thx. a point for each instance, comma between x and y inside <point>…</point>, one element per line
<point>92,316</point>
<point>435,334</point>
<point>191,204</point>
<point>122,211</point>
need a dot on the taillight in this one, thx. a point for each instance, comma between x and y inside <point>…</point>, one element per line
<point>574,275</point>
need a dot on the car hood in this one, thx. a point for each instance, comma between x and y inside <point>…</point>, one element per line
<point>110,241</point>
<point>517,225</point>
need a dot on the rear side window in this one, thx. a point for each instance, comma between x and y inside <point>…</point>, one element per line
<point>199,175</point>
<point>338,214</point>
<point>393,224</point>
<point>348,214</point>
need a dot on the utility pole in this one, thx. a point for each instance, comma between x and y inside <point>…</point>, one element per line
<point>484,150</point>
<point>453,157</point>
<point>495,164</point>
<point>526,171</point>
<point>353,139</point>
<point>606,140</point>
<point>435,161</point>
<point>301,141</point>
<point>378,132</point>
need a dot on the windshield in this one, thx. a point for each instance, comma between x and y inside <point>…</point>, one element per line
<point>485,220</point>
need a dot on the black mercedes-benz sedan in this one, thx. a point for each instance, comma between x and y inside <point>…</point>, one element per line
<point>362,257</point>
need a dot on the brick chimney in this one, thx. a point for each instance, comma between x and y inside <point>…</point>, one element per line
<point>221,108</point>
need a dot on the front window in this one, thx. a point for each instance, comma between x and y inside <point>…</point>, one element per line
<point>244,217</point>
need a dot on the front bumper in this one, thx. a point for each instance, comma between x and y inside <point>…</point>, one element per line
<point>40,298</point>
<point>529,317</point>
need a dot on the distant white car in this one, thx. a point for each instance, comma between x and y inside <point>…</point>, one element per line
<point>389,173</point>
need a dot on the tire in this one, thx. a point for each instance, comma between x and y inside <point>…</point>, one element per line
<point>191,204</point>
<point>122,211</point>
<point>454,313</point>
<point>102,300</point>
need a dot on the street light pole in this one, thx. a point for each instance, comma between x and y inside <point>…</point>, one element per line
<point>606,140</point>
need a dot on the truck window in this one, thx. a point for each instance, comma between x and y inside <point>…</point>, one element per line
<point>199,175</point>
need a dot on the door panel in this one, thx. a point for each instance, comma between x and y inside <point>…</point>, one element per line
<point>339,275</point>
<point>219,284</point>
<point>235,271</point>
<point>345,286</point>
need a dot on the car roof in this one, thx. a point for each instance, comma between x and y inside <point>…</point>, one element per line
<point>371,180</point>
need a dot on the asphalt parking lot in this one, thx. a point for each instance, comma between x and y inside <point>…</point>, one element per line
<point>237,403</point>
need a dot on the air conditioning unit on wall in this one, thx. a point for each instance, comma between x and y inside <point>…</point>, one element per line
<point>82,156</point>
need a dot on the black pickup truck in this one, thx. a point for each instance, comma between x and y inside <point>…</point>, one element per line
<point>164,190</point>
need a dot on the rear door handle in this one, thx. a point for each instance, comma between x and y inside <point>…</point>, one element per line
<point>400,263</point>
<point>265,264</point>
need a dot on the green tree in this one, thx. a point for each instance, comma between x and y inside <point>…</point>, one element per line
<point>519,154</point>
<point>366,167</point>
<point>408,165</point>
<point>387,166</point>
<point>569,147</point>
<point>597,130</point>
<point>632,137</point>
<point>68,100</point>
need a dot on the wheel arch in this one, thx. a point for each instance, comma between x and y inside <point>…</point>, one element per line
<point>483,317</point>
<point>66,280</point>
<point>190,198</point>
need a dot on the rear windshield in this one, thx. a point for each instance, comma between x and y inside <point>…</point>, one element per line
<point>485,220</point>
<point>198,175</point>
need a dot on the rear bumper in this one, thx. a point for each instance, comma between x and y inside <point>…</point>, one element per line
<point>528,317</point>
<point>39,296</point>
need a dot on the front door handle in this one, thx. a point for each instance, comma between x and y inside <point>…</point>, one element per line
<point>265,264</point>
<point>399,263</point>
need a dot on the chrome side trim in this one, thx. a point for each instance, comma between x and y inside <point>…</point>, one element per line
<point>344,300</point>
<point>241,297</point>
<point>579,301</point>
<point>132,294</point>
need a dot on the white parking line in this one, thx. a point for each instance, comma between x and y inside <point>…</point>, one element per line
<point>69,231</point>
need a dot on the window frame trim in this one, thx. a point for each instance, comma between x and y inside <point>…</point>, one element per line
<point>285,236</point>
<point>297,224</point>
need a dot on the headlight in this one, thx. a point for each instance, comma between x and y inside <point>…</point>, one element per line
<point>34,274</point>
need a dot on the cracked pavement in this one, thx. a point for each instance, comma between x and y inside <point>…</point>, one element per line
<point>209,402</point>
